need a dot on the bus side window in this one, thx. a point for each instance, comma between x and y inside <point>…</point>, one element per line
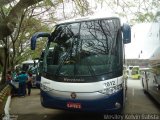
<point>155,79</point>
<point>158,78</point>
<point>55,56</point>
<point>146,75</point>
<point>49,58</point>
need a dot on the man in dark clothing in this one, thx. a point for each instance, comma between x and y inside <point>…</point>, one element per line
<point>8,76</point>
<point>22,78</point>
<point>29,83</point>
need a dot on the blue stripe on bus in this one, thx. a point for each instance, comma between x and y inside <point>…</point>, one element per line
<point>106,104</point>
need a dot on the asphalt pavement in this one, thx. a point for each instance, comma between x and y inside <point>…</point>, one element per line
<point>138,103</point>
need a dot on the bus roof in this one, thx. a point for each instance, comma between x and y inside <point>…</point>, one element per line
<point>51,48</point>
<point>87,18</point>
<point>145,69</point>
<point>29,61</point>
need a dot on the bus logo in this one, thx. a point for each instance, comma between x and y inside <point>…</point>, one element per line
<point>73,95</point>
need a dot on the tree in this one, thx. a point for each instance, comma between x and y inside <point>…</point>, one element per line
<point>8,23</point>
<point>18,21</point>
<point>79,8</point>
<point>133,11</point>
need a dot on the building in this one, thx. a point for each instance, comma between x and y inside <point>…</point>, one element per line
<point>143,63</point>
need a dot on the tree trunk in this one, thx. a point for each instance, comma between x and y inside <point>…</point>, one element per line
<point>6,65</point>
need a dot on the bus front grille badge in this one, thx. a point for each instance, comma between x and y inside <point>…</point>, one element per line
<point>73,95</point>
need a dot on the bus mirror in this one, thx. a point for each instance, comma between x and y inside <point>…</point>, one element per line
<point>34,63</point>
<point>126,30</point>
<point>36,36</point>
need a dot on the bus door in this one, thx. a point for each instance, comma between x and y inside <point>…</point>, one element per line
<point>153,85</point>
<point>157,85</point>
<point>145,80</point>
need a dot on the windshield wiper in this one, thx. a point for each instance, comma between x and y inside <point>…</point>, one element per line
<point>66,56</point>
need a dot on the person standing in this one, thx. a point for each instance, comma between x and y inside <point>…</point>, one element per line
<point>29,83</point>
<point>14,74</point>
<point>8,76</point>
<point>22,79</point>
<point>9,81</point>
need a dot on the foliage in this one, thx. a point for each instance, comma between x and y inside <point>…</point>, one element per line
<point>8,22</point>
<point>18,23</point>
<point>134,11</point>
<point>28,28</point>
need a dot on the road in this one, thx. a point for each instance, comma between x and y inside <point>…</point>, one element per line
<point>29,107</point>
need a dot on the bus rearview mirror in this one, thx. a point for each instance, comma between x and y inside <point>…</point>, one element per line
<point>126,30</point>
<point>36,36</point>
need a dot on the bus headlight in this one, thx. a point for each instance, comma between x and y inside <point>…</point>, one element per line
<point>45,88</point>
<point>111,90</point>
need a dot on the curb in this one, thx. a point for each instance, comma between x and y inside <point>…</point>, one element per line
<point>6,109</point>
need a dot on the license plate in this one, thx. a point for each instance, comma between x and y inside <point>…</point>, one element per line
<point>74,105</point>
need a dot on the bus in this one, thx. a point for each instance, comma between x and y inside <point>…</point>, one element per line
<point>134,72</point>
<point>85,70</point>
<point>151,77</point>
<point>40,66</point>
<point>129,71</point>
<point>151,74</point>
<point>26,65</point>
<point>30,66</point>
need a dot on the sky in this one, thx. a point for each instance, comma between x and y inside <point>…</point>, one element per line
<point>145,40</point>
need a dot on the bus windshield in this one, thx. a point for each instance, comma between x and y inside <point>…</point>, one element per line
<point>87,48</point>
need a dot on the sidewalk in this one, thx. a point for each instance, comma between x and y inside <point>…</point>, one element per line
<point>4,93</point>
<point>31,104</point>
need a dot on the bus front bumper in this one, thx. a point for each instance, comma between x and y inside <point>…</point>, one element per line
<point>110,104</point>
